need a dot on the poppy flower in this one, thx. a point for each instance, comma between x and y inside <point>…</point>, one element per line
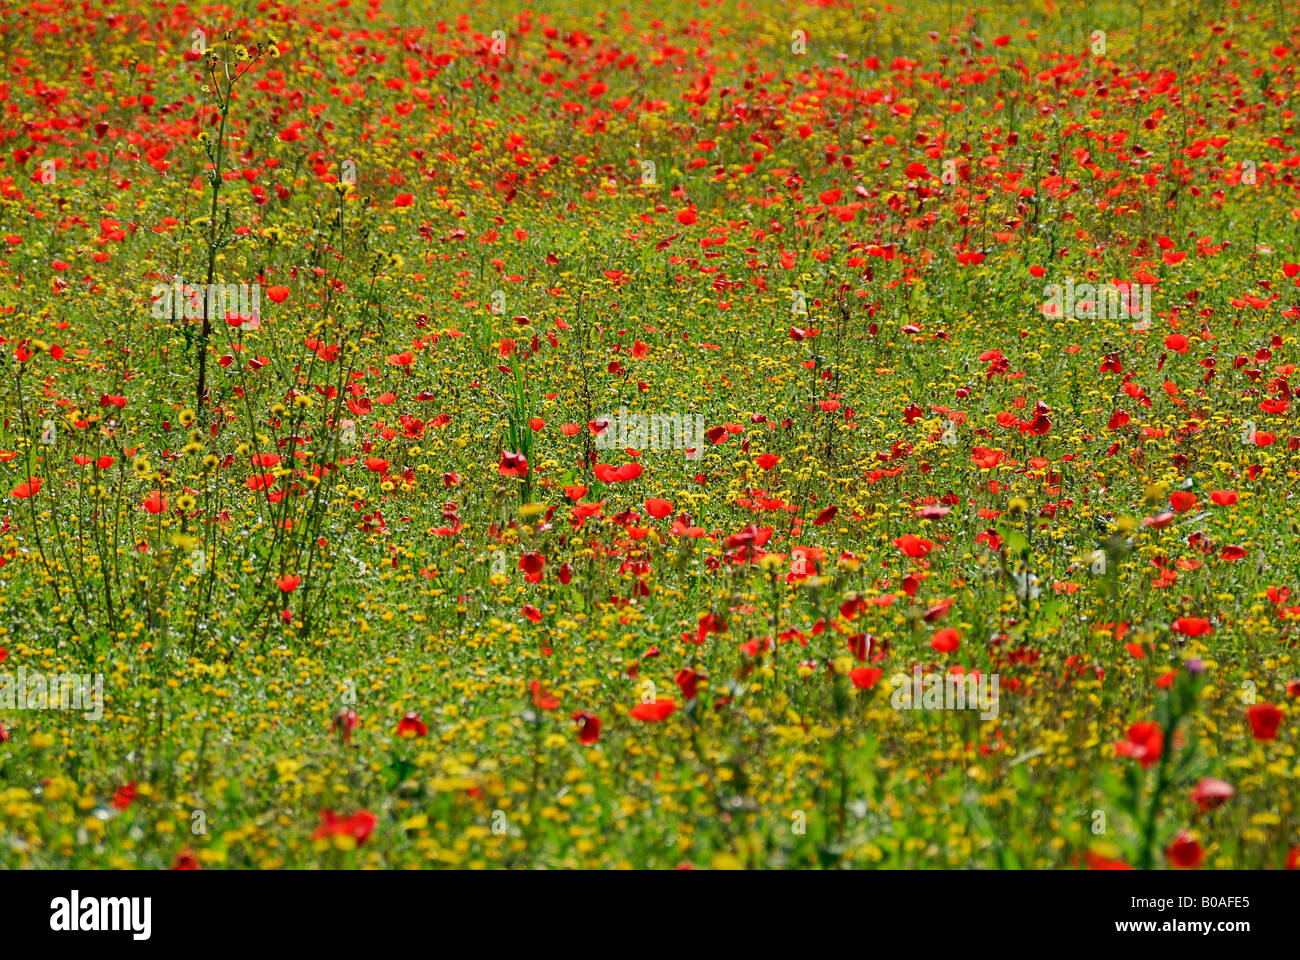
<point>1184,852</point>
<point>1192,626</point>
<point>654,711</point>
<point>345,721</point>
<point>512,464</point>
<point>609,474</point>
<point>658,508</point>
<point>412,726</point>
<point>358,826</point>
<point>864,678</point>
<point>155,503</point>
<point>542,698</point>
<point>532,564</point>
<point>1210,793</point>
<point>826,516</point>
<point>1264,718</point>
<point>588,727</point>
<point>185,860</point>
<point>1096,861</point>
<point>123,796</point>
<point>709,623</point>
<point>1159,521</point>
<point>687,681</point>
<point>913,546</point>
<point>288,584</point>
<point>1144,743</point>
<point>28,488</point>
<point>947,640</point>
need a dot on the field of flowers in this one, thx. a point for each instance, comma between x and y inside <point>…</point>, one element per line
<point>690,434</point>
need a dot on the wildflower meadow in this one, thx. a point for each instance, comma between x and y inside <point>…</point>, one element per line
<point>697,434</point>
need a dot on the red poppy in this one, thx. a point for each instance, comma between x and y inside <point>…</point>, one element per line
<point>1264,718</point>
<point>532,564</point>
<point>345,721</point>
<point>512,464</point>
<point>359,825</point>
<point>1184,852</point>
<point>589,727</point>
<point>186,860</point>
<point>28,488</point>
<point>687,681</point>
<point>947,640</point>
<point>709,623</point>
<point>412,726</point>
<point>610,474</point>
<point>288,584</point>
<point>1144,743</point>
<point>864,678</point>
<point>1210,793</point>
<point>826,516</point>
<point>654,711</point>
<point>155,503</point>
<point>1096,861</point>
<point>658,508</point>
<point>913,546</point>
<point>542,698</point>
<point>123,796</point>
<point>1192,626</point>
